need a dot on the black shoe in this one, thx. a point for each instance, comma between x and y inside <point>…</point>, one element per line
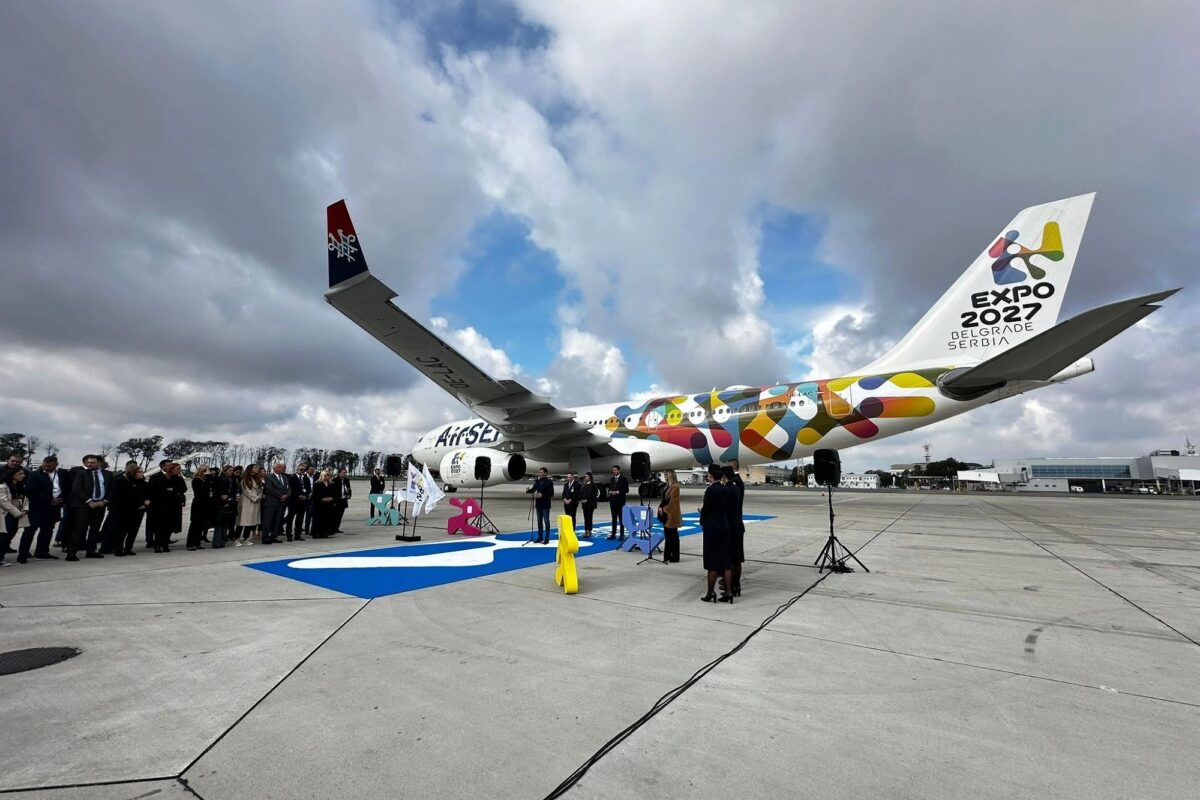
<point>119,554</point>
<point>166,549</point>
<point>737,590</point>
<point>45,557</point>
<point>191,548</point>
<point>268,541</point>
<point>130,553</point>
<point>158,549</point>
<point>22,559</point>
<point>172,541</point>
<point>611,536</point>
<point>726,598</point>
<point>297,538</point>
<point>72,557</point>
<point>289,537</point>
<point>201,547</point>
<point>90,554</point>
<point>711,597</point>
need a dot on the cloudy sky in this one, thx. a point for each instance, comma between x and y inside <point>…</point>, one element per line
<point>603,200</point>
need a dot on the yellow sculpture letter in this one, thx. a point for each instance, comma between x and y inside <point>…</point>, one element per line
<point>568,545</point>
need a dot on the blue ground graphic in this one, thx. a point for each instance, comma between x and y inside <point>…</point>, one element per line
<point>365,581</point>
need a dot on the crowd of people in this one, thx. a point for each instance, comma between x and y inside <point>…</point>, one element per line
<point>89,511</point>
<point>721,518</point>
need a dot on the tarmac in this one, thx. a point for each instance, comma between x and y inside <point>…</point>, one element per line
<point>1001,646</point>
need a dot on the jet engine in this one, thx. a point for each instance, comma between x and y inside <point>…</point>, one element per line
<point>480,466</point>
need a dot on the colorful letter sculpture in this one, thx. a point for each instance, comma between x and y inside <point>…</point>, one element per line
<point>469,509</point>
<point>383,514</point>
<point>639,524</point>
<point>565,574</point>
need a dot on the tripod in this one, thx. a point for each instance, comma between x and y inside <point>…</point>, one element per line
<point>482,520</point>
<point>834,553</point>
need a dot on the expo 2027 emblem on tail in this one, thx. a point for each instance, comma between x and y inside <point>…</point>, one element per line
<point>1008,250</point>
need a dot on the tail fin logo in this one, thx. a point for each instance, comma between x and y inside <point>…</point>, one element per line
<point>343,245</point>
<point>1007,250</point>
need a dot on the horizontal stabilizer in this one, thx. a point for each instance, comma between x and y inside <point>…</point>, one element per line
<point>1048,353</point>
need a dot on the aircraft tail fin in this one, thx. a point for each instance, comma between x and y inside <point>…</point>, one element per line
<point>1011,292</point>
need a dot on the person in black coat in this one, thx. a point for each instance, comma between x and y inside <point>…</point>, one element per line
<point>618,487</point>
<point>48,489</point>
<point>344,493</point>
<point>325,498</point>
<point>543,492</point>
<point>715,525</point>
<point>90,493</point>
<point>202,511</point>
<point>589,498</point>
<point>378,486</point>
<point>131,497</point>
<point>226,490</point>
<point>572,493</point>
<point>735,490</point>
<point>167,496</point>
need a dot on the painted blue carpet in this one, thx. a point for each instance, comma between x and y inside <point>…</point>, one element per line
<point>403,568</point>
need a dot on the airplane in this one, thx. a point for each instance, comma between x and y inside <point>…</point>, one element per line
<point>994,334</point>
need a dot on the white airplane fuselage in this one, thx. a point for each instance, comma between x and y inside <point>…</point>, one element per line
<point>755,425</point>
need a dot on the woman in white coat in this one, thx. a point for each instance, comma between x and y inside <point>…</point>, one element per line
<point>250,503</point>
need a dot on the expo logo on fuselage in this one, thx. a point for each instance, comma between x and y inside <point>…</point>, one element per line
<point>459,435</point>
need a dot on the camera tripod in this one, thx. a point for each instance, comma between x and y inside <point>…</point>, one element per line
<point>834,554</point>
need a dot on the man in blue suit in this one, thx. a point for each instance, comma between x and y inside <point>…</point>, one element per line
<point>48,490</point>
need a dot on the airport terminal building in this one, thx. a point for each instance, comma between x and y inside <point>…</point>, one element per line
<point>1160,471</point>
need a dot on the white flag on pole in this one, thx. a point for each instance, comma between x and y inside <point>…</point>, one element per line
<point>416,490</point>
<point>433,491</point>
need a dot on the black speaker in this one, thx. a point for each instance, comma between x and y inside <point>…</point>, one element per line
<point>483,468</point>
<point>393,466</point>
<point>827,467</point>
<point>639,466</point>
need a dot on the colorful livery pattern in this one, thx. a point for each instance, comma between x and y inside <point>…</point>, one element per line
<point>774,422</point>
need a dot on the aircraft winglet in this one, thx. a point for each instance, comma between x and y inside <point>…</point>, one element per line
<point>346,257</point>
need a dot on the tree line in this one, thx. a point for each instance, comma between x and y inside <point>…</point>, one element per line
<point>146,449</point>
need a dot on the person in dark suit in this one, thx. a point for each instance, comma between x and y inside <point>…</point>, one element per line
<point>378,486</point>
<point>543,493</point>
<point>344,494</point>
<point>715,526</point>
<point>618,487</point>
<point>89,498</point>
<point>48,489</point>
<point>275,500</point>
<point>572,493</point>
<point>300,487</point>
<point>590,497</point>
<point>112,536</point>
<point>737,525</point>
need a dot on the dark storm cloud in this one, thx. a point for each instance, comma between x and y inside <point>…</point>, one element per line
<point>166,171</point>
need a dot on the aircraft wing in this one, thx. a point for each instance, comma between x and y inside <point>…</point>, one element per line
<point>1048,353</point>
<point>529,421</point>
